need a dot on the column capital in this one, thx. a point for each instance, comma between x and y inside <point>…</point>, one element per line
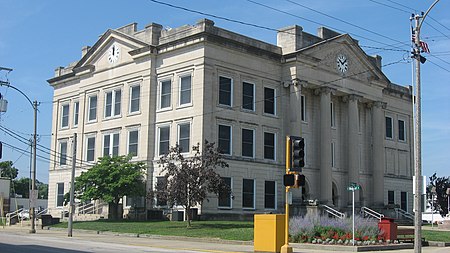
<point>352,97</point>
<point>324,90</point>
<point>297,82</point>
<point>377,104</point>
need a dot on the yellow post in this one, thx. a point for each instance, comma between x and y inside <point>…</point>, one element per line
<point>286,248</point>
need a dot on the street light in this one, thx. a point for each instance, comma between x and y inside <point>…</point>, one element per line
<point>33,194</point>
<point>353,187</point>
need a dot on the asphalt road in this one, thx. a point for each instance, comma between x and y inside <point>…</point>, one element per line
<point>18,240</point>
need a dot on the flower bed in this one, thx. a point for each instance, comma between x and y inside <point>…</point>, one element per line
<point>325,230</point>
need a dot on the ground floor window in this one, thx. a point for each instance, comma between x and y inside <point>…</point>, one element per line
<point>248,193</point>
<point>391,199</point>
<point>225,198</point>
<point>270,195</point>
<point>404,201</point>
<point>60,194</point>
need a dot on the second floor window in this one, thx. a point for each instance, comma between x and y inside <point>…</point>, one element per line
<point>401,130</point>
<point>111,144</point>
<point>166,94</point>
<point>225,91</point>
<point>248,139</point>
<point>63,153</point>
<point>76,112</point>
<point>389,129</point>
<point>269,146</point>
<point>164,137</point>
<point>112,103</point>
<point>269,101</point>
<point>135,94</point>
<point>133,140</point>
<point>90,149</point>
<point>92,111</point>
<point>248,96</point>
<point>224,139</point>
<point>185,90</point>
<point>65,116</point>
<point>184,132</point>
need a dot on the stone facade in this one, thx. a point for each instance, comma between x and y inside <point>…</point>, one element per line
<point>139,91</point>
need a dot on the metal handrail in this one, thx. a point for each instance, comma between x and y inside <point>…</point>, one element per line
<point>11,215</point>
<point>370,212</point>
<point>333,212</point>
<point>89,208</point>
<point>404,213</point>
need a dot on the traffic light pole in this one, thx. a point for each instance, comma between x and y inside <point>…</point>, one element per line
<point>286,248</point>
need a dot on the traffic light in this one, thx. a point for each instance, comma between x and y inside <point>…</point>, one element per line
<point>297,153</point>
<point>289,180</point>
<point>300,181</point>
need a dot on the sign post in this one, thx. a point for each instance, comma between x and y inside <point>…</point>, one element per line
<point>353,187</point>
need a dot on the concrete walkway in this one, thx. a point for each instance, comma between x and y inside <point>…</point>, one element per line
<point>178,244</point>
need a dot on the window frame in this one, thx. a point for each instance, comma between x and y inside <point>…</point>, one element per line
<point>253,103</point>
<point>132,130</point>
<point>274,101</point>
<point>180,91</point>
<point>303,109</point>
<point>230,142</point>
<point>65,116</point>
<point>230,196</point>
<point>130,104</point>
<point>59,196</point>
<point>231,91</point>
<point>253,194</point>
<point>391,127</point>
<point>160,94</point>
<point>114,103</point>
<point>111,136</point>
<point>274,145</point>
<point>274,195</point>
<point>158,149</point>
<point>63,156</point>
<point>76,113</point>
<point>333,114</point>
<point>179,125</point>
<point>253,142</point>
<point>91,108</point>
<point>93,149</point>
<point>403,128</point>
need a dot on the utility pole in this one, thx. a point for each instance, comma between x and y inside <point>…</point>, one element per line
<point>417,133</point>
<point>33,172</point>
<point>72,185</point>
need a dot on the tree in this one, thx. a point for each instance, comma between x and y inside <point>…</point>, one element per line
<point>189,179</point>
<point>21,187</point>
<point>110,179</point>
<point>441,184</point>
<point>8,170</point>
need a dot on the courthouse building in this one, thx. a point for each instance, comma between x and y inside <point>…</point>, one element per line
<point>140,91</point>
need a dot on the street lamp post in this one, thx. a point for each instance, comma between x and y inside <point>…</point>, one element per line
<point>353,187</point>
<point>33,194</point>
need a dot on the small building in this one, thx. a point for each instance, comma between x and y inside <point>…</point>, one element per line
<point>140,91</point>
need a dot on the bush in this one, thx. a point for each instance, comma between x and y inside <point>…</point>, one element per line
<point>314,228</point>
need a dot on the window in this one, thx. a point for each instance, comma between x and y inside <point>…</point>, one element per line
<point>63,153</point>
<point>248,96</point>
<point>92,113</point>
<point>225,197</point>
<point>112,103</point>
<point>164,135</point>
<point>333,117</point>
<point>269,146</point>
<point>185,90</point>
<point>166,94</point>
<point>401,130</point>
<point>135,96</point>
<point>389,127</point>
<point>248,193</point>
<point>111,144</point>
<point>60,194</point>
<point>133,140</point>
<point>269,101</point>
<point>225,91</point>
<point>76,112</point>
<point>303,112</point>
<point>161,184</point>
<point>90,150</point>
<point>404,201</point>
<point>333,155</point>
<point>65,116</point>
<point>248,139</point>
<point>391,199</point>
<point>269,194</point>
<point>225,139</point>
<point>184,132</point>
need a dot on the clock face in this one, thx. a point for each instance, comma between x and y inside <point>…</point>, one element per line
<point>342,63</point>
<point>113,53</point>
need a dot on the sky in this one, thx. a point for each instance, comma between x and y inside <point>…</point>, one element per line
<point>38,36</point>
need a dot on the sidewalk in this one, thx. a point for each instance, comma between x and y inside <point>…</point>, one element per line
<point>186,243</point>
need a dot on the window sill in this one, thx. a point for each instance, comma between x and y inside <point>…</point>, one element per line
<point>224,208</point>
<point>248,209</point>
<point>134,113</point>
<point>270,115</point>
<point>165,109</point>
<point>184,106</point>
<point>112,117</point>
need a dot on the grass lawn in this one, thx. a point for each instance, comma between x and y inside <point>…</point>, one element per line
<point>433,235</point>
<point>227,230</point>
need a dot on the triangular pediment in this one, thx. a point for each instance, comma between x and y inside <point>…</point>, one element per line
<point>358,64</point>
<point>98,55</point>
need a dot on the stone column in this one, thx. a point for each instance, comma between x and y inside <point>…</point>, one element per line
<point>325,146</point>
<point>353,144</point>
<point>378,152</point>
<point>295,104</point>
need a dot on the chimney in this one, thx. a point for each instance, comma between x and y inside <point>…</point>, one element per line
<point>290,38</point>
<point>153,33</point>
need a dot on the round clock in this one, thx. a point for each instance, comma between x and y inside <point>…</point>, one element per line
<point>113,53</point>
<point>342,63</point>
